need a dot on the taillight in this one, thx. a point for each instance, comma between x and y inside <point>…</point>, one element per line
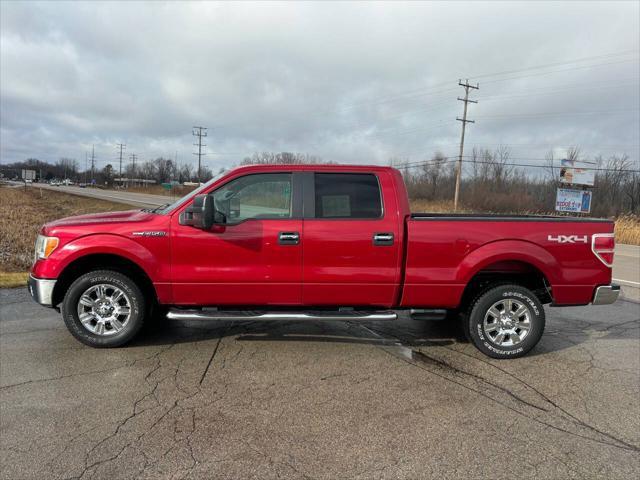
<point>603,245</point>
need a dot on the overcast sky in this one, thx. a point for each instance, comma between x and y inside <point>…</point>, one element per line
<point>349,82</point>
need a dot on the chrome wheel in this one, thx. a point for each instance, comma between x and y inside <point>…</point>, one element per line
<point>507,322</point>
<point>104,309</point>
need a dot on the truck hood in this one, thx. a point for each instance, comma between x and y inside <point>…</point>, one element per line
<point>128,216</point>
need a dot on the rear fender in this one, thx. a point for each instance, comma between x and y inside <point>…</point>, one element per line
<point>504,250</point>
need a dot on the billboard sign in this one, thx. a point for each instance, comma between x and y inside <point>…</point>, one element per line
<point>574,201</point>
<point>573,172</point>
<point>28,174</point>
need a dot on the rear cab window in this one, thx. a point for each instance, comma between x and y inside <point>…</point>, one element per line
<point>347,196</point>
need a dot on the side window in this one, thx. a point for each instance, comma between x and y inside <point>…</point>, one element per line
<point>347,195</point>
<point>255,196</point>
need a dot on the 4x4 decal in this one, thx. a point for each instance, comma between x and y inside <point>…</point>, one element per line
<point>569,238</point>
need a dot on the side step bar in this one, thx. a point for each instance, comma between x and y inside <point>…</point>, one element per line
<point>429,314</point>
<point>178,314</point>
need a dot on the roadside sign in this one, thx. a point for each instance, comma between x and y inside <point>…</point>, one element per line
<point>573,172</point>
<point>28,174</point>
<point>575,201</point>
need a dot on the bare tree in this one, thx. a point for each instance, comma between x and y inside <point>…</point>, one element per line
<point>285,158</point>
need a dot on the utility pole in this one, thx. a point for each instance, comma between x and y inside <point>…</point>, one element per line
<point>85,169</point>
<point>198,132</point>
<point>121,147</point>
<point>93,163</point>
<point>464,124</point>
<point>133,157</point>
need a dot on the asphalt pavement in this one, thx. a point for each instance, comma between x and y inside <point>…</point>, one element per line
<point>626,270</point>
<point>400,399</point>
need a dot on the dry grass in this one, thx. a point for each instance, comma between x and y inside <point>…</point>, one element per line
<point>628,229</point>
<point>427,206</point>
<point>13,279</point>
<point>23,213</point>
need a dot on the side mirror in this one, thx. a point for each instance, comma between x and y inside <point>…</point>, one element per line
<point>201,213</point>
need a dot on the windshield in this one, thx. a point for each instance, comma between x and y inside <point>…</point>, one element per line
<point>165,209</point>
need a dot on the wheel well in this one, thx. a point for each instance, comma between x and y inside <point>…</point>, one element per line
<point>88,263</point>
<point>510,271</point>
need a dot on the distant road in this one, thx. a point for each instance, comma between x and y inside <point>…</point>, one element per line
<point>626,270</point>
<point>119,196</point>
<point>626,266</point>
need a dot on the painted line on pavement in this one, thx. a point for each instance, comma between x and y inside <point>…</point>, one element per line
<point>626,282</point>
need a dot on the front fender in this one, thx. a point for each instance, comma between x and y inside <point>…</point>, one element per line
<point>99,243</point>
<point>504,250</point>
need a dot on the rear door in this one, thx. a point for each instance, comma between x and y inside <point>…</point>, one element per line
<point>351,250</point>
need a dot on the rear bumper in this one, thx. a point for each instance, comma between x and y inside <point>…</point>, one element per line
<point>41,290</point>
<point>606,294</point>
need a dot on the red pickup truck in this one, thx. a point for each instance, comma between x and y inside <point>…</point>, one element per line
<point>309,242</point>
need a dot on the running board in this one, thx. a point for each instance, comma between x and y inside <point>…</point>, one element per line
<point>429,314</point>
<point>177,314</point>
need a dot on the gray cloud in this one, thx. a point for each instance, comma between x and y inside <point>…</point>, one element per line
<point>350,82</point>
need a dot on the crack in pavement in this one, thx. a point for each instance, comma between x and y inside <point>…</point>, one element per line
<point>81,374</point>
<point>446,369</point>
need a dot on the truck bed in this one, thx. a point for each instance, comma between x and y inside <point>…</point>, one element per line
<point>442,259</point>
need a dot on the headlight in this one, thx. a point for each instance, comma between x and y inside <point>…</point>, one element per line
<point>45,246</point>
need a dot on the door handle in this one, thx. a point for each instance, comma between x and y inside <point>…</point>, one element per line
<point>383,239</point>
<point>288,238</point>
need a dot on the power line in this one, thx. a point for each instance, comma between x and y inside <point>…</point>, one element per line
<point>555,64</point>
<point>198,132</point>
<point>429,108</point>
<point>464,121</point>
<point>428,90</point>
<point>510,164</point>
<point>595,169</point>
<point>586,146</point>
<point>546,91</point>
<point>580,67</point>
<point>553,114</point>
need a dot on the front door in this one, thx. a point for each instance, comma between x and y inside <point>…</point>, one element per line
<point>253,259</point>
<point>351,243</point>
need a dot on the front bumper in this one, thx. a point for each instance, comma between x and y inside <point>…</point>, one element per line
<point>606,294</point>
<point>41,290</point>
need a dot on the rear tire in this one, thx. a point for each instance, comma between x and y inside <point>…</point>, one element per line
<point>104,309</point>
<point>506,321</point>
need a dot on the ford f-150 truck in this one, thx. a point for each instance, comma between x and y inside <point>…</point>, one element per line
<point>310,242</point>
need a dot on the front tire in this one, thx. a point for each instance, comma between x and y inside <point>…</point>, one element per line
<point>104,309</point>
<point>505,321</point>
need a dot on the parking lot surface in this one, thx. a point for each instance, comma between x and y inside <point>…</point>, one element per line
<point>319,400</point>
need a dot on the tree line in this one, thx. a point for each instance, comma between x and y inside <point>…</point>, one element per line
<point>490,182</point>
<point>160,170</point>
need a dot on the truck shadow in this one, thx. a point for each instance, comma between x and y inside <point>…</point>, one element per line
<point>404,332</point>
<point>569,330</point>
